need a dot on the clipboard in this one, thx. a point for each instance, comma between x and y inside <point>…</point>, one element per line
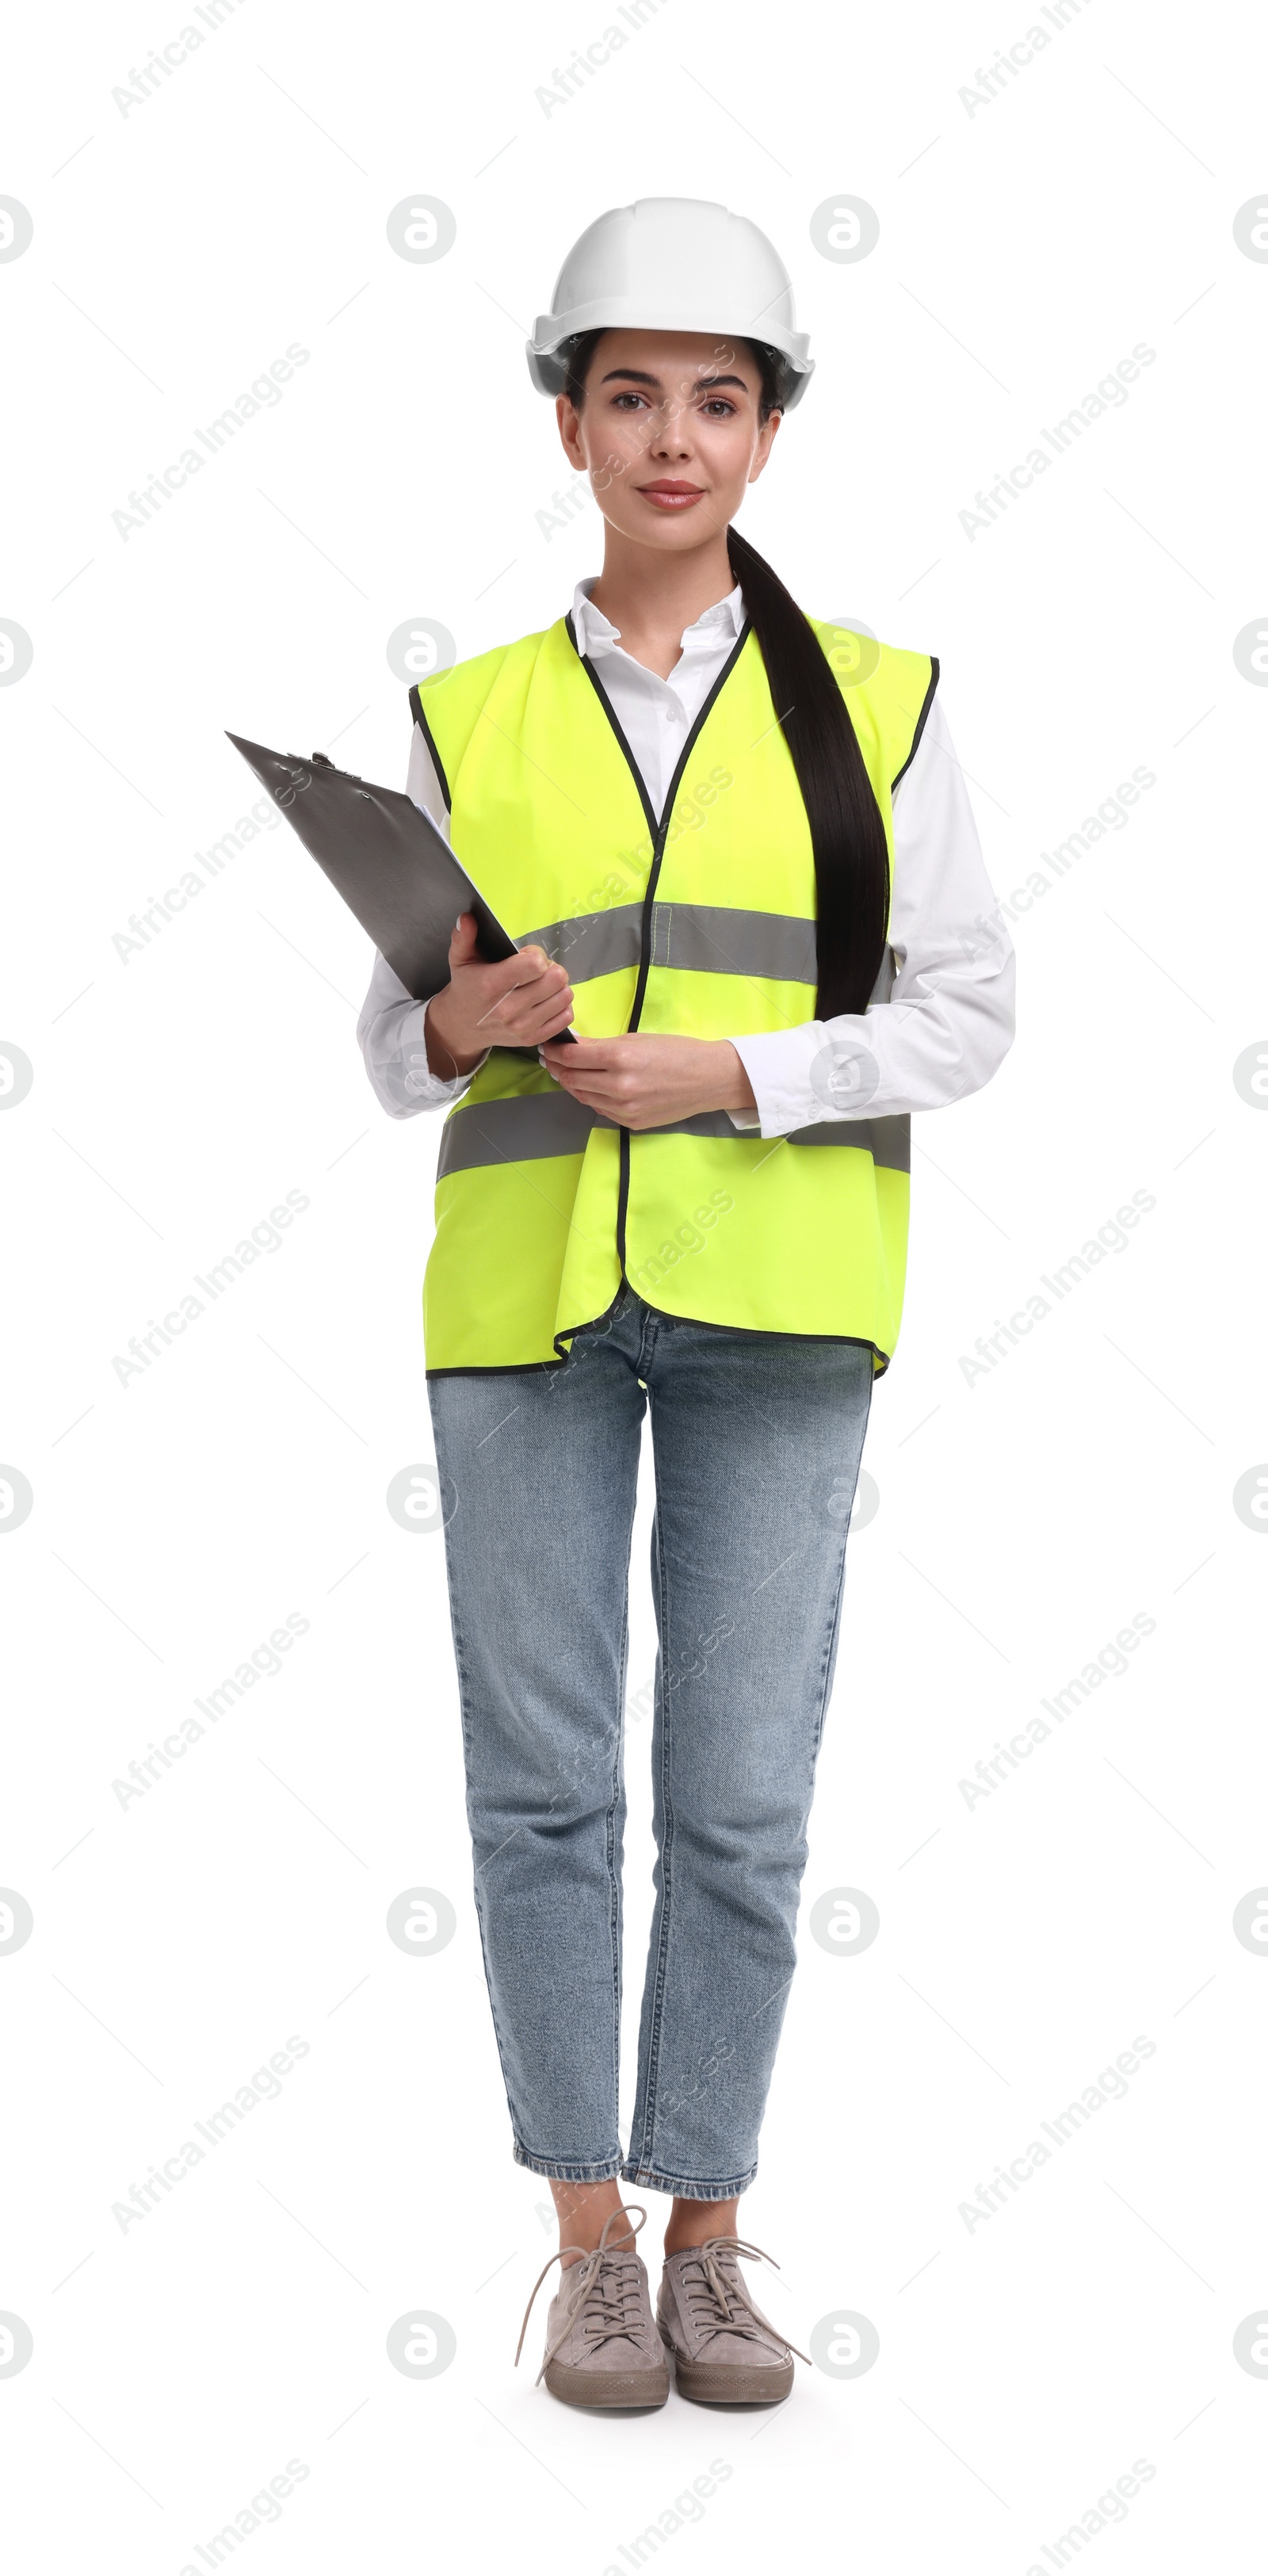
<point>387,859</point>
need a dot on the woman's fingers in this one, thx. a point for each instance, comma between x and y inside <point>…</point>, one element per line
<point>611,1085</point>
<point>598,1054</point>
<point>547,1020</point>
<point>523,1021</point>
<point>528,982</point>
<point>533,967</point>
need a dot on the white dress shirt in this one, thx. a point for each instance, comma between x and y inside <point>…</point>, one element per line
<point>940,1019</point>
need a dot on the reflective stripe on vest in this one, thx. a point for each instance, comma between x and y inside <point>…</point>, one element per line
<point>712,939</point>
<point>537,1125</point>
<point>699,923</point>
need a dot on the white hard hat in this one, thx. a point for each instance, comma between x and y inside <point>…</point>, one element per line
<point>673,264</point>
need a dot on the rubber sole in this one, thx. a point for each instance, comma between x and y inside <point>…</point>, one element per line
<point>722,2384</point>
<point>607,2387</point>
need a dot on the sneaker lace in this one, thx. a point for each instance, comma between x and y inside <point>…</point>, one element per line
<point>605,2292</point>
<point>717,2300</point>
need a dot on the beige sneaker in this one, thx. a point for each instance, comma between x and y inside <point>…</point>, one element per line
<point>726,2353</point>
<point>602,2347</point>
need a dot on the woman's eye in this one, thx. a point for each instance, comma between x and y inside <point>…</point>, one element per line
<point>618,399</point>
<point>720,404</point>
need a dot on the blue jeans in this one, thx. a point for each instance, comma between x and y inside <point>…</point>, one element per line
<point>757,1440</point>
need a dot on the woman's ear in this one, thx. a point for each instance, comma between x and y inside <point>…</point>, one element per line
<point>765,442</point>
<point>569,431</point>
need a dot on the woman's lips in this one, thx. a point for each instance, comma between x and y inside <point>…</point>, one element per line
<point>671,496</point>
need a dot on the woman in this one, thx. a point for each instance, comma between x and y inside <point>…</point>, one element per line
<point>735,850</point>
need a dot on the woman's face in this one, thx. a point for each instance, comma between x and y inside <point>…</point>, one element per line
<point>669,434</point>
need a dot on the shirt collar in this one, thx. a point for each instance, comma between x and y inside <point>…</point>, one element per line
<point>596,635</point>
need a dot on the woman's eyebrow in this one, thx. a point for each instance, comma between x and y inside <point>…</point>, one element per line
<point>637,376</point>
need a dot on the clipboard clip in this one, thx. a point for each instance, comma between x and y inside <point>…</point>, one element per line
<point>322,760</point>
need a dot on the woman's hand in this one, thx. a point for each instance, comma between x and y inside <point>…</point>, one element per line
<point>646,1081</point>
<point>520,1002</point>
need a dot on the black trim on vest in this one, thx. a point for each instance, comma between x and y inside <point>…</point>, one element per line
<point>622,1203</point>
<point>662,828</point>
<point>659,830</point>
<point>416,710</point>
<point>509,1368</point>
<point>525,1368</point>
<point>610,712</point>
<point>921,720</point>
<point>658,827</point>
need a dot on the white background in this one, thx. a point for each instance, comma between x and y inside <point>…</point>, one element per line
<point>1024,1517</point>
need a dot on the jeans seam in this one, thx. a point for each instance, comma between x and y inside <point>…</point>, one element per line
<point>565,2168</point>
<point>460,1664</point>
<point>834,1621</point>
<point>686,2186</point>
<point>825,1661</point>
<point>615,1917</point>
<point>656,2017</point>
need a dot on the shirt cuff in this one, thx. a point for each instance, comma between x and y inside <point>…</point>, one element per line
<point>782,1066</point>
<point>425,1089</point>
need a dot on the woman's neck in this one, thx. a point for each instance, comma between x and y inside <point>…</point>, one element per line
<point>652,597</point>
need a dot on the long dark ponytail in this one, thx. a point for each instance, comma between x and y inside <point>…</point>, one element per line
<point>846,831</point>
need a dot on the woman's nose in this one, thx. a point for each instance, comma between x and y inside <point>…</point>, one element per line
<point>672,436</point>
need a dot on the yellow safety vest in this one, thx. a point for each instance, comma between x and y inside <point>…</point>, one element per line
<point>700,924</point>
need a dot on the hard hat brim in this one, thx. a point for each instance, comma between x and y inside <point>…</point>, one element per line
<point>547,351</point>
